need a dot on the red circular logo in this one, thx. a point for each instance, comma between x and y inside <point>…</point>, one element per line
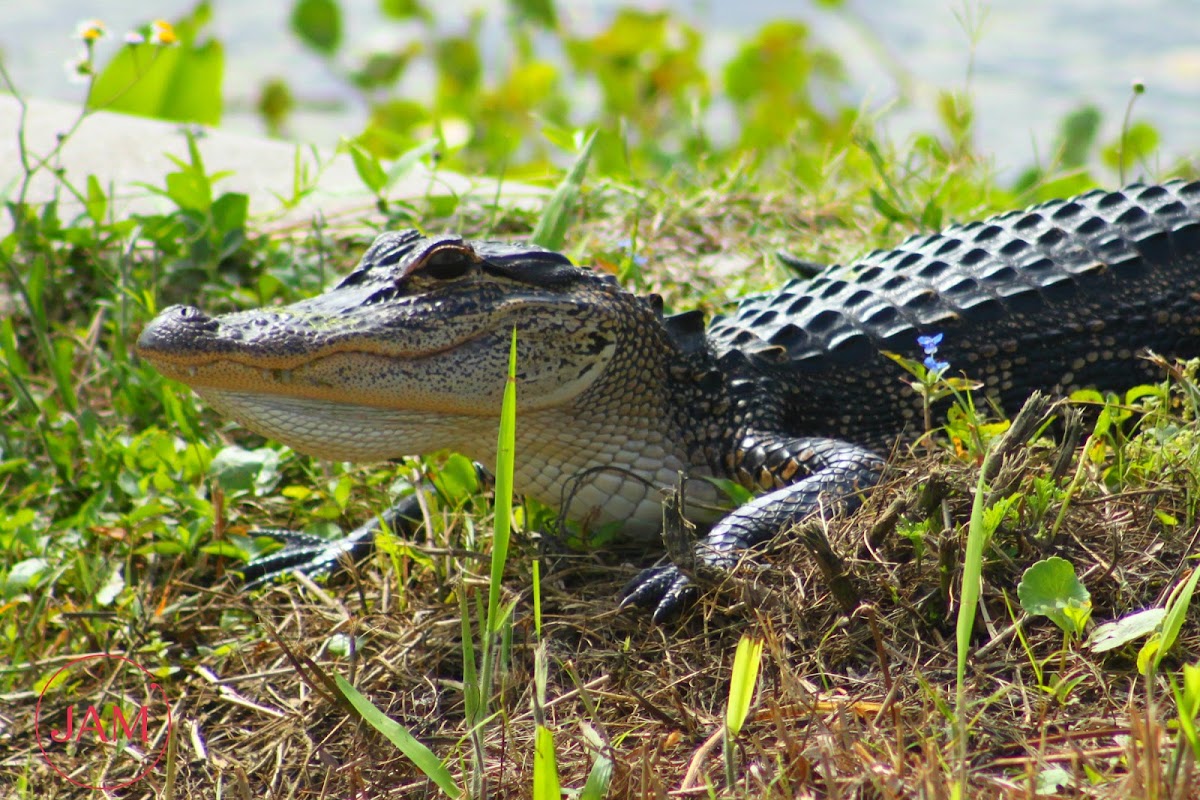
<point>105,719</point>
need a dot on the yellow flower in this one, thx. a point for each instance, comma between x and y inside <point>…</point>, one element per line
<point>163,32</point>
<point>91,30</point>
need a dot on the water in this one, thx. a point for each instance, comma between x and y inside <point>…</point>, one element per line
<point>1032,61</point>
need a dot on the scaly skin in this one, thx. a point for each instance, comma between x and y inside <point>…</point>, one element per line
<point>788,395</point>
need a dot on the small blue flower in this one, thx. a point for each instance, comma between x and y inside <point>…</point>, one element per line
<point>930,343</point>
<point>626,244</point>
<point>935,366</point>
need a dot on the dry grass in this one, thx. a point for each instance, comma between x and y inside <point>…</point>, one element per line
<point>848,706</point>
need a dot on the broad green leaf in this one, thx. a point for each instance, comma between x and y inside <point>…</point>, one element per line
<point>1050,588</point>
<point>227,550</point>
<point>398,735</point>
<point>600,775</point>
<point>1165,518</point>
<point>22,516</point>
<point>540,12</point>
<point>97,202</point>
<point>229,212</point>
<point>296,491</point>
<point>1112,635</point>
<point>1053,780</point>
<point>599,779</point>
<point>340,645</point>
<point>457,480</point>
<point>402,9</point>
<point>366,164</point>
<point>112,587</point>
<point>342,490</point>
<point>1086,396</point>
<point>181,83</point>
<point>1078,135</point>
<point>238,469</point>
<point>318,23</point>
<point>24,575</point>
<point>410,159</point>
<point>1143,390</point>
<point>1137,144</point>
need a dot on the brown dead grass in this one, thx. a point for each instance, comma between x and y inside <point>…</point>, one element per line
<point>848,706</point>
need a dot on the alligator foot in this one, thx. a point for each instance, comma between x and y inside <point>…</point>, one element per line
<point>664,588</point>
<point>839,473</point>
<point>312,555</point>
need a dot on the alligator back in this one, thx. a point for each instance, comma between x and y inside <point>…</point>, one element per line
<point>1064,294</point>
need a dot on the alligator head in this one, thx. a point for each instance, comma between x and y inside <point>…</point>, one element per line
<point>408,354</point>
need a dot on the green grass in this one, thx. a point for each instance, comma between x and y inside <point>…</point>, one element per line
<point>123,498</point>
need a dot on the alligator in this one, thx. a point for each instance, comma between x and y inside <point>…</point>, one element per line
<point>789,395</point>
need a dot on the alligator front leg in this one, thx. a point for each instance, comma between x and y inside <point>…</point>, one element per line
<point>829,476</point>
<point>313,555</point>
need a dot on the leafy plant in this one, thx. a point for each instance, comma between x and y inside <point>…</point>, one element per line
<point>1165,636</point>
<point>1050,588</point>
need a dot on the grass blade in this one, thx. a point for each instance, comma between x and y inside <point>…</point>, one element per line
<point>505,460</point>
<point>972,586</point>
<point>398,735</point>
<point>551,229</point>
<point>746,662</point>
<point>545,767</point>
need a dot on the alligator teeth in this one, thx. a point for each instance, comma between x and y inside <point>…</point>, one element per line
<point>285,376</point>
<point>268,374</point>
<point>191,372</point>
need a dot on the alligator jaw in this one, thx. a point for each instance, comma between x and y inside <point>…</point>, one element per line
<point>342,431</point>
<point>334,376</point>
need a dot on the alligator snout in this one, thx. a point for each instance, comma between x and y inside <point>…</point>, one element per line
<point>173,328</point>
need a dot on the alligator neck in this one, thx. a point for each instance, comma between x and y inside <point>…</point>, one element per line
<point>661,408</point>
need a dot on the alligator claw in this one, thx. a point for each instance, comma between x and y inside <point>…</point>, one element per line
<point>302,552</point>
<point>665,588</point>
<point>312,555</point>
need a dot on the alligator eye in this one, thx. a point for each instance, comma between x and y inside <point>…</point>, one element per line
<point>446,265</point>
